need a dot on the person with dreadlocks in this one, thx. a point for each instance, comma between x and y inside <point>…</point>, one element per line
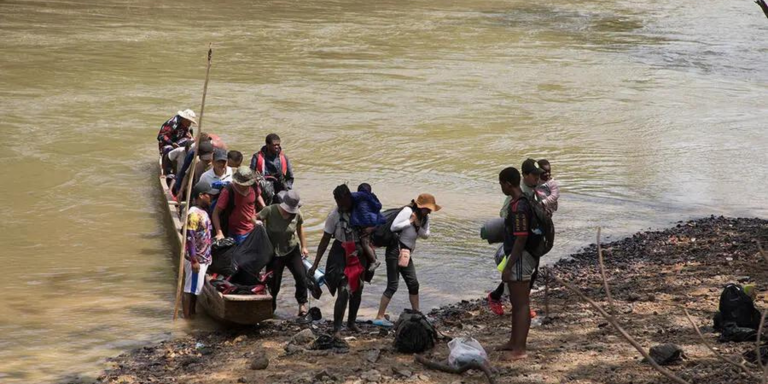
<point>346,265</point>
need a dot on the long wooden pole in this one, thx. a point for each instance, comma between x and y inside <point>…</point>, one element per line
<point>179,284</point>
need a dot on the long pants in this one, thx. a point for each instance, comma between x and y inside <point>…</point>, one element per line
<point>294,264</point>
<point>341,306</point>
<point>409,273</point>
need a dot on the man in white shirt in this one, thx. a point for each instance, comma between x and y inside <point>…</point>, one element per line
<point>220,172</point>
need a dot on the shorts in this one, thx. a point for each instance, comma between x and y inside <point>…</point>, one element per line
<point>194,280</point>
<point>524,267</point>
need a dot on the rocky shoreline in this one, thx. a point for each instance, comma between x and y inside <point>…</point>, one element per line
<point>653,275</point>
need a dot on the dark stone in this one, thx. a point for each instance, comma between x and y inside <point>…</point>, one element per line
<point>260,361</point>
<point>665,354</point>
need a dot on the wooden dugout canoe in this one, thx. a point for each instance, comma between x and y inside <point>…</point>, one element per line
<point>237,309</point>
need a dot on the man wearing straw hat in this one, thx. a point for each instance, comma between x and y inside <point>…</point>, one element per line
<point>173,133</point>
<point>176,130</point>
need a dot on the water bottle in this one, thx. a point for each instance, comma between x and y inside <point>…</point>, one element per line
<point>319,273</point>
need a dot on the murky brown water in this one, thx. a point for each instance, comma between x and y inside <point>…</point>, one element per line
<point>650,112</point>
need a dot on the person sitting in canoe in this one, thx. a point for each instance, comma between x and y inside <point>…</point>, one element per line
<point>284,224</point>
<point>174,132</point>
<point>271,162</point>
<point>234,159</point>
<point>197,255</point>
<point>237,206</point>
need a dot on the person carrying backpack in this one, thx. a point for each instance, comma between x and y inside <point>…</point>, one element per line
<point>533,172</point>
<point>237,206</point>
<point>520,265</point>
<point>412,222</point>
<point>344,269</point>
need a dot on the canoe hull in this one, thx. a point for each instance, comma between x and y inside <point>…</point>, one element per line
<point>237,309</point>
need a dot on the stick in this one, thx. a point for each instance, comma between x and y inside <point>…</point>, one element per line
<point>602,272</point>
<point>180,280</point>
<point>447,368</point>
<point>622,332</point>
<point>546,293</point>
<point>715,352</point>
<point>762,253</point>
<point>757,348</point>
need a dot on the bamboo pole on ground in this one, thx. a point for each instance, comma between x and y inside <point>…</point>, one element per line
<point>188,188</point>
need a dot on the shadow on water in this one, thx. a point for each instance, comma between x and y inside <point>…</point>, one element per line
<point>588,29</point>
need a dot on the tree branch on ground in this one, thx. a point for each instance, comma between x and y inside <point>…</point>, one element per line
<point>448,369</point>
<point>741,365</point>
<point>602,273</point>
<point>667,373</point>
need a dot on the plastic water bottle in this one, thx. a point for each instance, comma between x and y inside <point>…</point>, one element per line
<point>319,273</point>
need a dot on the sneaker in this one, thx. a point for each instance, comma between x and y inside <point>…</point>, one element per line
<point>495,305</point>
<point>373,266</point>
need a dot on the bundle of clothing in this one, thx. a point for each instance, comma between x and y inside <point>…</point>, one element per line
<point>238,269</point>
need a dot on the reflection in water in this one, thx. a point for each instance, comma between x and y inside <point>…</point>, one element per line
<point>650,113</point>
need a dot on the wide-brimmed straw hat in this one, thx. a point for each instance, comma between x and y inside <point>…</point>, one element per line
<point>243,176</point>
<point>188,114</point>
<point>291,202</point>
<point>425,200</point>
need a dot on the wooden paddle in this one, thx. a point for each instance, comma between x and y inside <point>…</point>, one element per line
<point>188,187</point>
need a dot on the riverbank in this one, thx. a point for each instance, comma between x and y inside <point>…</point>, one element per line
<point>652,276</point>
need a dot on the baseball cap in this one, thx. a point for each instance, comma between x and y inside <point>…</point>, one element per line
<point>219,154</point>
<point>202,186</point>
<point>531,166</point>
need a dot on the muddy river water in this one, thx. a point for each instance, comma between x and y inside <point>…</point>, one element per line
<point>649,111</point>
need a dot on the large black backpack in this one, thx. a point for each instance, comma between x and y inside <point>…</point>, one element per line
<point>414,333</point>
<point>383,235</point>
<point>736,307</point>
<point>539,245</point>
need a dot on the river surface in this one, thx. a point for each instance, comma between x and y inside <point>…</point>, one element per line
<point>650,112</point>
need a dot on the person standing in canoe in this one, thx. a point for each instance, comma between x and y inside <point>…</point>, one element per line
<point>220,172</point>
<point>197,256</point>
<point>344,270</point>
<point>237,206</point>
<point>412,223</point>
<point>284,224</point>
<point>271,162</point>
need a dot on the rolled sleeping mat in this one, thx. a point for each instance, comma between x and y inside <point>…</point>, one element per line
<point>493,231</point>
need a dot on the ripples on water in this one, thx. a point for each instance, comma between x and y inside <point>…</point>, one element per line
<point>650,113</point>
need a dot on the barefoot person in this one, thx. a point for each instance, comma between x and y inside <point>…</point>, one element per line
<point>344,270</point>
<point>412,222</point>
<point>197,255</point>
<point>284,225</point>
<point>520,265</point>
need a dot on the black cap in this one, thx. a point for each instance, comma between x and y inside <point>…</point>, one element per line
<point>531,166</point>
<point>202,186</point>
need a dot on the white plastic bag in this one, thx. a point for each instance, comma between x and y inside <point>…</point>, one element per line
<point>465,350</point>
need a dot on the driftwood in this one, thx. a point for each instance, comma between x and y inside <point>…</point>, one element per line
<point>602,273</point>
<point>763,6</point>
<point>444,367</point>
<point>667,373</point>
<point>714,351</point>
